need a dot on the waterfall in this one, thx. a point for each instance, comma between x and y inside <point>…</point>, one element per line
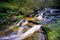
<point>19,35</point>
<point>29,32</point>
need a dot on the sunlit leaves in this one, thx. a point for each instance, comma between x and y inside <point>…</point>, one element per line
<point>20,16</point>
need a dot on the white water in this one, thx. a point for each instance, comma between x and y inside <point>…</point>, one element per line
<point>22,36</point>
<point>19,22</point>
<point>28,33</point>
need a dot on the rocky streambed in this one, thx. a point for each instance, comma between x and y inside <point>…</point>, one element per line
<point>39,18</point>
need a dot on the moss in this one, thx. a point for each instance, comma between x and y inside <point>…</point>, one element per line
<point>54,33</point>
<point>20,16</point>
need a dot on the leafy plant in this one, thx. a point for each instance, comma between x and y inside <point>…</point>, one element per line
<point>54,34</point>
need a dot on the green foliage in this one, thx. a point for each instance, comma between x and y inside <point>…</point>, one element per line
<point>16,7</point>
<point>54,33</point>
<point>8,6</point>
<point>26,7</point>
<point>20,16</point>
<point>7,9</point>
<point>46,3</point>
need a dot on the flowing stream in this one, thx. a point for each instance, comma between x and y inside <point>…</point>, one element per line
<point>18,35</point>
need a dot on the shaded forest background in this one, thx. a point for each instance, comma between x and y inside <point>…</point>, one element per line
<point>10,10</point>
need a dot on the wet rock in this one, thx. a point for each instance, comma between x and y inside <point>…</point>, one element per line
<point>13,18</point>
